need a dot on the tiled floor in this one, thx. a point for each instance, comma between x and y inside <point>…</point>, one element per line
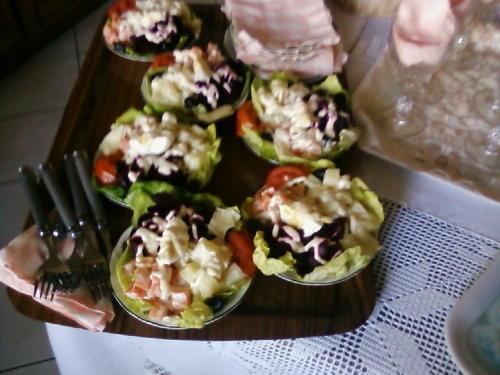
<point>32,101</point>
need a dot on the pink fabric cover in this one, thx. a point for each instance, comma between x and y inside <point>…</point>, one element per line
<point>19,262</point>
<point>422,31</point>
<point>263,25</point>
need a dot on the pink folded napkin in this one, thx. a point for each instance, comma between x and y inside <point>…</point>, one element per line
<point>264,31</point>
<point>19,262</point>
<point>422,31</point>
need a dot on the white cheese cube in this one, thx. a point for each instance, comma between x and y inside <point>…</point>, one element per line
<point>222,220</point>
<point>111,142</point>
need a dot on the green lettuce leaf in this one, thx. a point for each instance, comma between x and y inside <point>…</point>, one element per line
<point>196,315</point>
<point>367,198</point>
<point>203,174</point>
<point>139,196</point>
<point>284,76</point>
<point>183,41</point>
<point>350,261</point>
<point>190,19</point>
<point>246,213</point>
<point>129,116</point>
<point>124,279</point>
<point>266,150</point>
<point>114,193</point>
<point>269,266</point>
<point>331,85</point>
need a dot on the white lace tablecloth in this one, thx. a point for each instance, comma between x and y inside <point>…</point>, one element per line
<point>425,266</point>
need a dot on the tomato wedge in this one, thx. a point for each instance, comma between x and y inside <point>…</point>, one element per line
<point>162,60</point>
<point>243,248</point>
<point>105,168</point>
<point>121,6</point>
<point>280,175</point>
<point>247,116</point>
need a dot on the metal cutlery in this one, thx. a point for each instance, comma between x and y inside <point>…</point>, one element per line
<point>55,276</point>
<point>94,271</point>
<point>83,168</point>
<point>91,264</point>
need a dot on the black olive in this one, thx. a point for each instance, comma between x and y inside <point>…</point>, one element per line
<point>216,303</point>
<point>122,170</point>
<point>119,47</point>
<point>267,137</point>
<point>157,74</point>
<point>320,173</point>
<point>322,123</point>
<point>201,230</point>
<point>191,101</point>
<point>340,101</point>
<point>340,124</point>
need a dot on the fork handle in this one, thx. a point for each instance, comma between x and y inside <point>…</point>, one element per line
<point>76,188</point>
<point>82,166</point>
<point>59,199</point>
<point>30,186</point>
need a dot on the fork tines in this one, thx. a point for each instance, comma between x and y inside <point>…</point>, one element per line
<point>55,282</point>
<point>55,276</point>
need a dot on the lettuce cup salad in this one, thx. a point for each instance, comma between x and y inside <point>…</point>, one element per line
<point>139,29</point>
<point>195,83</point>
<point>315,228</point>
<point>288,121</point>
<point>184,263</point>
<point>142,150</point>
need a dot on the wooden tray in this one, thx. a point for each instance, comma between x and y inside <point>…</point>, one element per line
<point>272,308</point>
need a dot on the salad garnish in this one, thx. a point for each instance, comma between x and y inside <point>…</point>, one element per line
<point>195,81</point>
<point>290,122</point>
<point>180,266</point>
<point>313,226</point>
<point>142,148</point>
<point>147,27</point>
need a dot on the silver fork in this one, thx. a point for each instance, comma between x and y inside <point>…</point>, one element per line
<point>94,270</point>
<point>54,275</point>
<point>88,264</point>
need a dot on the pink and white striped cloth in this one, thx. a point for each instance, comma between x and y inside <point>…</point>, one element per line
<point>286,35</point>
<point>19,263</point>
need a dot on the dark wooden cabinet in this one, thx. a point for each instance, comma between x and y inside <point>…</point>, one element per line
<point>27,25</point>
<point>10,31</point>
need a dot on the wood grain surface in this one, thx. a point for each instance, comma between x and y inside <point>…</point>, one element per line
<point>272,308</point>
